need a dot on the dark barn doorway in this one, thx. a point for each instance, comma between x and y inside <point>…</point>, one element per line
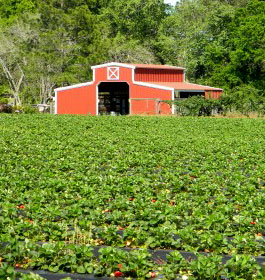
<point>113,98</point>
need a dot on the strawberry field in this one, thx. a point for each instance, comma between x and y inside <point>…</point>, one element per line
<point>103,195</point>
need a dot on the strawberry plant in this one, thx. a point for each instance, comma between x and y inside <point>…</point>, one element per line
<point>121,263</point>
<point>207,268</point>
<point>77,182</point>
<point>242,267</point>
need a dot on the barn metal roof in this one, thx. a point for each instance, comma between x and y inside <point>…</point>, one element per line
<point>157,66</point>
<point>134,66</point>
<point>183,86</point>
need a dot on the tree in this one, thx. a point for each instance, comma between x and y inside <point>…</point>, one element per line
<point>248,44</point>
<point>186,34</point>
<point>132,51</point>
<point>12,58</point>
<point>137,19</point>
<point>51,43</point>
<point>10,10</point>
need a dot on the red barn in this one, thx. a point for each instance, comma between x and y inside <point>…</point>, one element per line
<point>119,88</point>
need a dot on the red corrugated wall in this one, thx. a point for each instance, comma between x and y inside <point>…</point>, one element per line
<point>146,106</point>
<point>124,76</point>
<point>159,75</point>
<point>215,94</point>
<point>80,100</point>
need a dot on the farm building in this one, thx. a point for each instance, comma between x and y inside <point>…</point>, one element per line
<point>119,88</point>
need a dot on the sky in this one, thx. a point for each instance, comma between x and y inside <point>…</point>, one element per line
<point>172,2</point>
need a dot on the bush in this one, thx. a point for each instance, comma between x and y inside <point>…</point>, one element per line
<point>196,106</point>
<point>3,100</point>
<point>244,99</point>
<point>27,109</point>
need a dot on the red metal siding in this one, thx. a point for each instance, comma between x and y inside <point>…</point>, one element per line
<point>77,101</point>
<point>215,94</point>
<point>148,107</point>
<point>136,91</point>
<point>159,75</point>
<point>125,75</point>
<point>83,99</point>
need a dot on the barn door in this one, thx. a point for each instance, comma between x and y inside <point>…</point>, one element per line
<point>120,103</point>
<point>113,98</point>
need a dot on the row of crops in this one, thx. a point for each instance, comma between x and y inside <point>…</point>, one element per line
<point>127,187</point>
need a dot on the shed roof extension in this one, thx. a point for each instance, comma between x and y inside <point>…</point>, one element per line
<point>184,86</point>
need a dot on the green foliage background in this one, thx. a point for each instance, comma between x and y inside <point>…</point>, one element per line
<point>54,42</point>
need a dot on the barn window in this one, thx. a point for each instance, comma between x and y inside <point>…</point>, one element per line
<point>113,73</point>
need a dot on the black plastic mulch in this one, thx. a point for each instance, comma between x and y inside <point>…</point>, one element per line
<point>56,276</point>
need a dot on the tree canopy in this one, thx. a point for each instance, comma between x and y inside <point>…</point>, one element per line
<point>51,43</point>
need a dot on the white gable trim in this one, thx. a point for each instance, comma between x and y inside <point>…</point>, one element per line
<point>113,64</point>
<point>75,86</point>
<point>153,86</point>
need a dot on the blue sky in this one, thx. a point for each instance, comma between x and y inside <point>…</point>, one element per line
<point>172,2</point>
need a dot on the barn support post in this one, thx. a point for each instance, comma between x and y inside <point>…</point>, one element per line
<point>55,102</point>
<point>173,99</point>
<point>130,105</point>
<point>97,99</point>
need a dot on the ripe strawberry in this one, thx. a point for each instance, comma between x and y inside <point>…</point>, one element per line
<point>153,275</point>
<point>17,265</point>
<point>259,234</point>
<point>120,228</point>
<point>21,206</point>
<point>131,198</point>
<point>153,200</point>
<point>119,266</point>
<point>117,274</point>
<point>253,222</point>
